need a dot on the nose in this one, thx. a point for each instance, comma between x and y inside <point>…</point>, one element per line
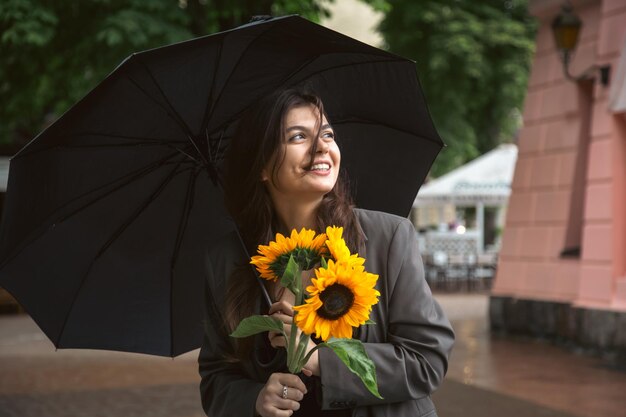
<point>322,145</point>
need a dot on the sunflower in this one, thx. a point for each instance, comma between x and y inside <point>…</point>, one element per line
<point>338,249</point>
<point>341,297</point>
<point>305,247</point>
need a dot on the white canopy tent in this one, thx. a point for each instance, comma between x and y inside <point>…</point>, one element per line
<point>483,181</point>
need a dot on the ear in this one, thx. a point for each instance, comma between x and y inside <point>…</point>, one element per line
<point>264,176</point>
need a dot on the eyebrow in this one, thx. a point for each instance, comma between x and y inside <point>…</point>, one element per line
<point>324,127</point>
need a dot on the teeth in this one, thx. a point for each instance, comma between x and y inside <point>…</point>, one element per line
<point>321,167</point>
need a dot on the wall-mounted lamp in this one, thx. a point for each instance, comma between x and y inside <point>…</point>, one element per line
<point>566,27</point>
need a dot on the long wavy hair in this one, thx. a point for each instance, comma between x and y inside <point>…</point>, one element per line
<point>258,142</point>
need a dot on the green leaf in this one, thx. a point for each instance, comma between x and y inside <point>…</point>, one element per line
<point>257,324</point>
<point>292,271</point>
<point>369,321</point>
<point>323,263</point>
<point>473,59</point>
<point>353,355</point>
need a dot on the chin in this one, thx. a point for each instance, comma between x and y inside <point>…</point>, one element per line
<point>320,192</point>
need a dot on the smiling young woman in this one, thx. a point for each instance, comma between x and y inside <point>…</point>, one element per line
<point>283,172</point>
<point>301,180</point>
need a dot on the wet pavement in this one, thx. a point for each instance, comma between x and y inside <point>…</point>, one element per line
<point>488,376</point>
<point>521,377</point>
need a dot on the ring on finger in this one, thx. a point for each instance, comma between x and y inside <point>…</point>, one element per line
<point>285,390</point>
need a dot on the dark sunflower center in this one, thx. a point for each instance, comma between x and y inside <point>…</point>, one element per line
<point>336,301</point>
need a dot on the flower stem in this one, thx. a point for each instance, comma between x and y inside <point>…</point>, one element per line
<point>308,356</point>
<point>292,357</point>
<point>303,343</point>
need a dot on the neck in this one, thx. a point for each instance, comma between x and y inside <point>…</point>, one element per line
<point>296,214</point>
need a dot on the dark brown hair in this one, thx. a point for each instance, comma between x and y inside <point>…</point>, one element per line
<point>257,142</point>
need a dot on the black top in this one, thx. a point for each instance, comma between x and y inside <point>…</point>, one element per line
<point>310,404</point>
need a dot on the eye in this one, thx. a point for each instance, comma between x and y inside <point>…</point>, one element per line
<point>296,138</point>
<point>328,135</point>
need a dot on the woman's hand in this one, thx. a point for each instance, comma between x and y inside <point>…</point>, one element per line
<point>280,395</point>
<point>283,310</point>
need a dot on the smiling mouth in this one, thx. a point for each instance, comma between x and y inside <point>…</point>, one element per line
<point>320,167</point>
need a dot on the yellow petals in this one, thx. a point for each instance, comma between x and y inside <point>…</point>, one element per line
<point>273,257</point>
<point>338,249</point>
<point>341,297</point>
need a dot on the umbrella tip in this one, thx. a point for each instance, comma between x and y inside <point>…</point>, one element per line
<point>260,18</point>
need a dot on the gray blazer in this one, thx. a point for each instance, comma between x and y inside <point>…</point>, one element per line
<point>409,344</point>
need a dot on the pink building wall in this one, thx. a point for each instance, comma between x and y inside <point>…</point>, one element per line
<point>570,179</point>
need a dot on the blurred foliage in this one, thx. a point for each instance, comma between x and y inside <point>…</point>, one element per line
<point>55,51</point>
<point>473,59</point>
<point>473,56</point>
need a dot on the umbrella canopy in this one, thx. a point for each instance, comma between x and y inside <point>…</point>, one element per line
<point>110,209</point>
<point>486,179</point>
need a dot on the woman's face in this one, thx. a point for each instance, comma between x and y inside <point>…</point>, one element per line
<point>295,177</point>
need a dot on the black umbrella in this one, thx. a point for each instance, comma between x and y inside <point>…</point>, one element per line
<point>109,210</point>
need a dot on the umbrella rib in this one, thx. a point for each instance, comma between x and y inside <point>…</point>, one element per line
<point>146,142</point>
<point>219,96</point>
<point>113,237</point>
<point>350,65</point>
<point>219,145</point>
<point>130,177</point>
<point>180,123</point>
<point>174,172</point>
<point>375,123</point>
<point>174,114</point>
<point>295,72</point>
<point>208,112</point>
<point>123,145</point>
<point>219,152</point>
<point>182,227</point>
<point>106,145</point>
<point>208,145</point>
<point>378,61</point>
<point>113,146</point>
<point>112,135</point>
<point>169,109</point>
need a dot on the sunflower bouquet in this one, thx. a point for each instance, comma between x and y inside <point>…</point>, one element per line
<point>339,298</point>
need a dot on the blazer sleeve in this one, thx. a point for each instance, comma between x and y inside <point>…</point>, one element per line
<point>413,360</point>
<point>225,388</point>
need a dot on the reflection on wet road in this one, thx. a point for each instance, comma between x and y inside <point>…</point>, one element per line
<point>533,371</point>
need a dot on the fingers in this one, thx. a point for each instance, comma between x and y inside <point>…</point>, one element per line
<point>269,405</point>
<point>280,395</point>
<point>283,306</point>
<point>282,317</point>
<point>291,381</point>
<point>276,339</point>
<point>291,394</point>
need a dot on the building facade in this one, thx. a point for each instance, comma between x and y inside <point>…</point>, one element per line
<point>562,268</point>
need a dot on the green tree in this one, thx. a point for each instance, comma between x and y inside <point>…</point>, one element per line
<point>54,51</point>
<point>473,59</point>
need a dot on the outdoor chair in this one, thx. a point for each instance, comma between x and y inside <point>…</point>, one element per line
<point>435,265</point>
<point>485,270</point>
<point>457,272</point>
